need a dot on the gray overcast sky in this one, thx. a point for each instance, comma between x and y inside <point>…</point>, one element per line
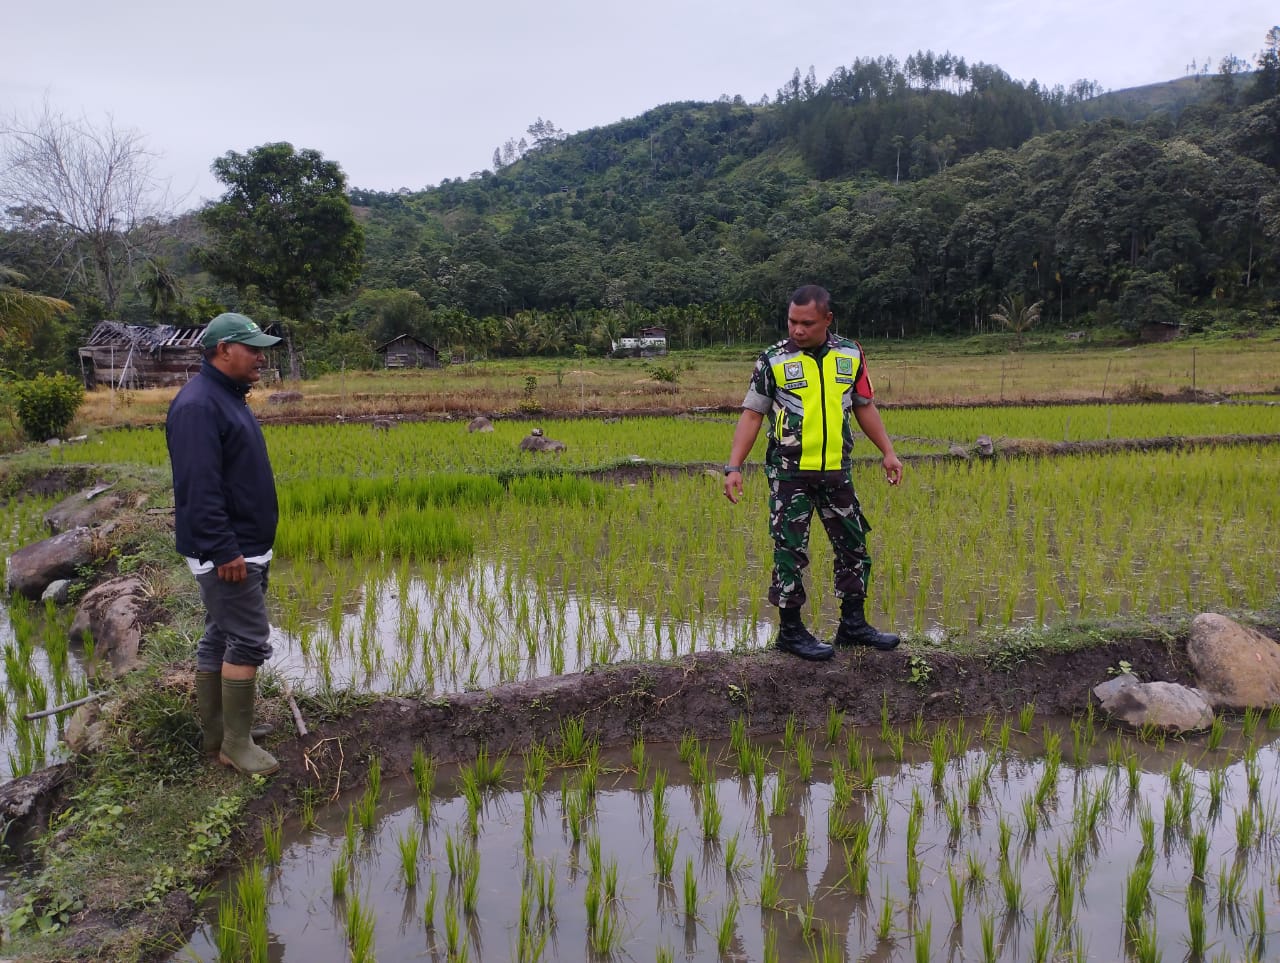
<point>405,94</point>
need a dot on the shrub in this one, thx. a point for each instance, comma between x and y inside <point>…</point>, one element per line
<point>46,404</point>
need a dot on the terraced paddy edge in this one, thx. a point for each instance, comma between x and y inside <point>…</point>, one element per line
<point>1013,447</point>
<point>702,694</point>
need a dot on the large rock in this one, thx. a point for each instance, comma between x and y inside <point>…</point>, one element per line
<point>479,423</point>
<point>27,802</point>
<point>57,591</point>
<point>88,729</point>
<point>34,566</point>
<point>83,509</point>
<point>536,441</point>
<point>1237,667</point>
<point>113,613</point>
<point>1164,705</point>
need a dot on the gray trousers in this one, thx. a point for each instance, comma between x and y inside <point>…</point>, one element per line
<point>236,629</point>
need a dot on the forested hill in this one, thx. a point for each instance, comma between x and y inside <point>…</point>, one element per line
<point>921,194</point>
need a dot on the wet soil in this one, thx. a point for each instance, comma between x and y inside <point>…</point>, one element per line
<point>45,482</point>
<point>703,694</point>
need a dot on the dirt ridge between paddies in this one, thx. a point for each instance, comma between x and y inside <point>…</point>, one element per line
<point>704,692</point>
<point>464,410</point>
<point>635,471</point>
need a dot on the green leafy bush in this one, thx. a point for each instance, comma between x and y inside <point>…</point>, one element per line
<point>46,404</point>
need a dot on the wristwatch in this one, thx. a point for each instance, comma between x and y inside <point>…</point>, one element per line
<point>729,469</point>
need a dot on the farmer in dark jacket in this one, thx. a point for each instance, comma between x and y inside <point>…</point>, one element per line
<point>225,519</point>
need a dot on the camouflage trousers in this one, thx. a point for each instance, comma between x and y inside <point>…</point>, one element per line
<point>791,506</point>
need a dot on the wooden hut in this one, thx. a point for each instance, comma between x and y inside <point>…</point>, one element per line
<point>119,355</point>
<point>406,351</point>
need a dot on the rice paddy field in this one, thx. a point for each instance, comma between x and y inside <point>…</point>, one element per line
<point>422,560</point>
<point>1016,838</point>
<point>39,669</point>
<point>426,560</point>
<point>304,452</point>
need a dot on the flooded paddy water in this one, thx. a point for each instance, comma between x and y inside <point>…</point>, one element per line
<point>1012,838</point>
<point>455,626</point>
<point>40,668</point>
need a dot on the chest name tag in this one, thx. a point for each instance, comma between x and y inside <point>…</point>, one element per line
<point>843,381</point>
<point>794,385</point>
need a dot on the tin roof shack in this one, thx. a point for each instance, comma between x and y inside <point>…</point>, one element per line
<point>1155,331</point>
<point>120,355</point>
<point>406,351</point>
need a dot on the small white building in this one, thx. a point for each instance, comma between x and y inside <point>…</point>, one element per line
<point>650,342</point>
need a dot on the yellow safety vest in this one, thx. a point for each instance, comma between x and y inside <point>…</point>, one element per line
<point>810,407</point>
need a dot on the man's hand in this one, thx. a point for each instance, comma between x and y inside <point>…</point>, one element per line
<point>892,469</point>
<point>733,486</point>
<point>234,571</point>
<point>744,436</point>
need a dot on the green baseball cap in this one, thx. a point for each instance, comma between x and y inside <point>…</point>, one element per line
<point>238,328</point>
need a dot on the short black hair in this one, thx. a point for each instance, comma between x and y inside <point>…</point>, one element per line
<point>812,294</point>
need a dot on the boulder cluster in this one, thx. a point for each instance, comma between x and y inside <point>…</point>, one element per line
<point>1236,668</point>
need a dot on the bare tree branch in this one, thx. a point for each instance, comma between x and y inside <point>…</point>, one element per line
<point>95,182</point>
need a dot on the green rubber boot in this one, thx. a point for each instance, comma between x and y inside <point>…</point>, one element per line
<point>209,709</point>
<point>238,749</point>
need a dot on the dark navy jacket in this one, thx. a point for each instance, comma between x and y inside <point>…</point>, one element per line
<point>224,493</point>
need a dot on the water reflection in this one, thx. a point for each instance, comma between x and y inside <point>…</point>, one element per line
<point>38,671</point>
<point>451,627</point>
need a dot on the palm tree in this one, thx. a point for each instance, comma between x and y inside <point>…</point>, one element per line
<point>1016,315</point>
<point>21,312</point>
<point>164,290</point>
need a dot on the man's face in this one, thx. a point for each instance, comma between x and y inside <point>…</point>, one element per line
<point>807,324</point>
<point>240,362</point>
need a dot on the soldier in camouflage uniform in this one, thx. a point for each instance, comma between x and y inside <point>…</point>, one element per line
<point>809,385</point>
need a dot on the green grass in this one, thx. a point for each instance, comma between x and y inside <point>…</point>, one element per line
<point>176,833</point>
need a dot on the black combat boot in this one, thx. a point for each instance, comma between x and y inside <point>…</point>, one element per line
<point>795,639</point>
<point>855,630</point>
